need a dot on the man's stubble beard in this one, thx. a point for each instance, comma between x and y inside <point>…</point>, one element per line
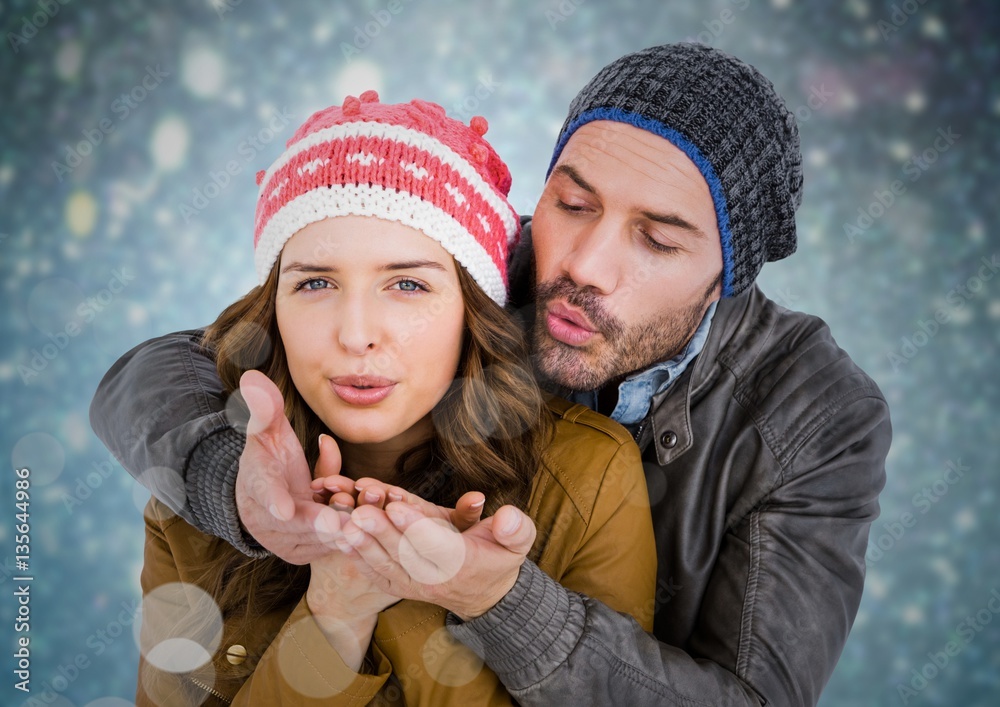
<point>620,350</point>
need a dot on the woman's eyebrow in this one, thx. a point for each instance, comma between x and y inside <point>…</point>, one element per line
<point>402,265</point>
<point>306,267</point>
<point>412,265</point>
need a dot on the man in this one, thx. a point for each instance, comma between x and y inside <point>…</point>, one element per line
<point>676,176</point>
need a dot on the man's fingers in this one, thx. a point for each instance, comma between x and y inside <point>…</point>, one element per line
<point>468,511</point>
<point>513,529</point>
<point>264,402</point>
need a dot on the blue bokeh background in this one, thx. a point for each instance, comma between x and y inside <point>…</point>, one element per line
<point>116,116</point>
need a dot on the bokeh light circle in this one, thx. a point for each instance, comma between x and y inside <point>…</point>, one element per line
<point>42,454</point>
<point>432,551</point>
<point>181,627</point>
<point>449,662</point>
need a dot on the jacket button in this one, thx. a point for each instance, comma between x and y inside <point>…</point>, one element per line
<point>669,439</point>
<point>236,654</point>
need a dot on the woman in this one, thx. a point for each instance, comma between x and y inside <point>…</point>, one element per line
<point>380,245</point>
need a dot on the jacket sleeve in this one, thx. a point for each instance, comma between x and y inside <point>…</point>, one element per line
<point>161,410</point>
<point>800,556</point>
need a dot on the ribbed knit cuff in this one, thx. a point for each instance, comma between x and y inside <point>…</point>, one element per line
<point>211,489</point>
<point>529,633</point>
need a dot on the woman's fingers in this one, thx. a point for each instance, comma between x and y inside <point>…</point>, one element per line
<point>337,491</point>
<point>372,492</point>
<point>333,484</point>
<point>468,511</point>
<point>373,495</point>
<point>342,501</point>
<point>395,494</point>
<point>329,460</point>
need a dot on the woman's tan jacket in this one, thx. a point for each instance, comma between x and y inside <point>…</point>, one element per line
<point>595,536</point>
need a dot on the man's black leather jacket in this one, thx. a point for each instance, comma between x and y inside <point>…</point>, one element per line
<point>764,462</point>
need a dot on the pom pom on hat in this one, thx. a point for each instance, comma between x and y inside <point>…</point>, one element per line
<point>479,125</point>
<point>352,106</point>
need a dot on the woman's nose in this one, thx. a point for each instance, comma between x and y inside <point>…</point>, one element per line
<point>358,327</point>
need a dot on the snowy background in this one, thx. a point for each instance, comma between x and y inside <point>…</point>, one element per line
<point>118,115</point>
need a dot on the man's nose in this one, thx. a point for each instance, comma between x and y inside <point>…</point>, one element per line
<point>593,260</point>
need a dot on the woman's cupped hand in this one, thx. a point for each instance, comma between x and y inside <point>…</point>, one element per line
<point>341,583</point>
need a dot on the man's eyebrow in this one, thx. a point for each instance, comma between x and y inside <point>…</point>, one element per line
<point>571,172</point>
<point>402,265</point>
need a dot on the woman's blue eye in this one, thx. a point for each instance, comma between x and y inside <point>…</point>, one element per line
<point>314,284</point>
<point>410,286</point>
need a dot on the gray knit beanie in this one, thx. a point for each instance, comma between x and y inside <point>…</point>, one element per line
<point>728,119</point>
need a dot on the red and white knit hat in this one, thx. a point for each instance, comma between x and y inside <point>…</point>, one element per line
<point>405,162</point>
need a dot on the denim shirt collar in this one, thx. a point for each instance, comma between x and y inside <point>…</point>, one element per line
<point>635,392</point>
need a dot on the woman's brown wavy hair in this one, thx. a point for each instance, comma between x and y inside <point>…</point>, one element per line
<point>490,429</point>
